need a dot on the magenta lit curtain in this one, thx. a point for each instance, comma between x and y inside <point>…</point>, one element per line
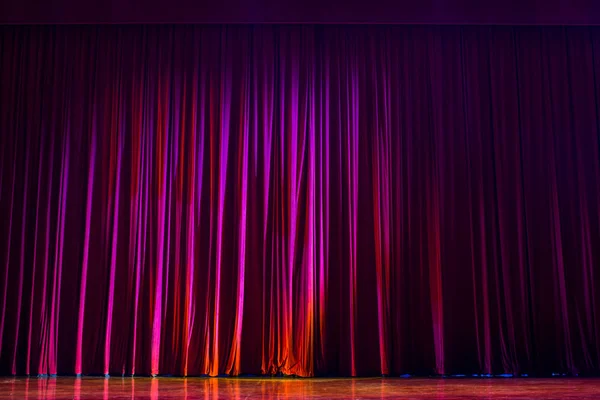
<point>299,200</point>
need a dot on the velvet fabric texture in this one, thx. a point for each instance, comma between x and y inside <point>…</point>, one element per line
<point>302,200</point>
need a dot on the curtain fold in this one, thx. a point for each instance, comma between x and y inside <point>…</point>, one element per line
<point>299,200</point>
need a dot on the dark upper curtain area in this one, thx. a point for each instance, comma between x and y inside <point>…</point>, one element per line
<point>299,200</point>
<point>503,12</point>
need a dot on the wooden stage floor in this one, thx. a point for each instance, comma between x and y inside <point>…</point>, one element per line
<point>276,388</point>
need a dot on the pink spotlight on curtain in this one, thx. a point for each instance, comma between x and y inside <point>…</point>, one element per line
<point>303,200</point>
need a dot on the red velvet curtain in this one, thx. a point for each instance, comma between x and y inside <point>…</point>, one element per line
<point>306,200</point>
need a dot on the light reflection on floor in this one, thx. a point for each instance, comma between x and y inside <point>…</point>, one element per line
<point>275,388</point>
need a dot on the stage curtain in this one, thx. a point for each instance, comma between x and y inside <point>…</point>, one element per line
<point>299,200</point>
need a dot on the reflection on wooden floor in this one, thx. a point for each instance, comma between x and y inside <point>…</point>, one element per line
<point>271,388</point>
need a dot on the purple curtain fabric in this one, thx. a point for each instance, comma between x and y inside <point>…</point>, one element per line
<point>304,200</point>
<point>506,12</point>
